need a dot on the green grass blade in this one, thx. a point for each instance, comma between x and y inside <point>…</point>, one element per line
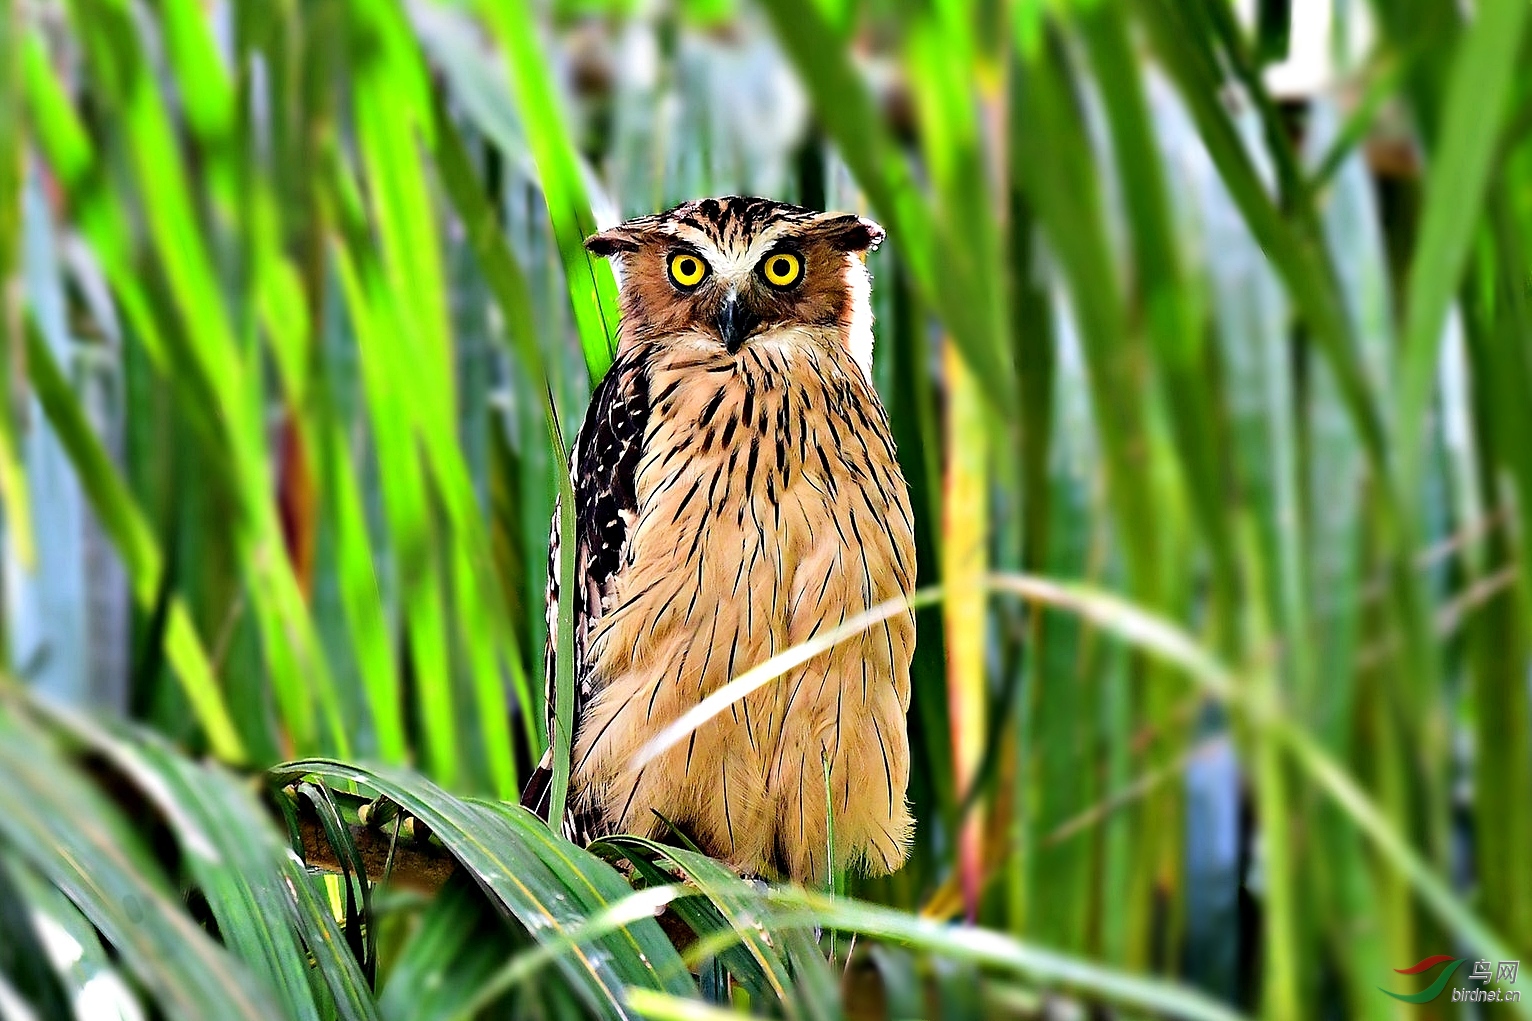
<point>1167,642</point>
<point>13,485</point>
<point>501,271</point>
<point>396,116</point>
<point>1477,96</point>
<point>965,560</point>
<point>1179,33</point>
<point>1170,309</point>
<point>640,948</point>
<point>561,736</point>
<point>731,907</point>
<point>24,957</point>
<point>1496,324</point>
<point>267,910</point>
<point>1382,83</point>
<point>663,1007</point>
<point>997,950</point>
<point>365,613</point>
<point>544,882</point>
<point>56,914</point>
<point>509,286</point>
<point>375,322</point>
<point>1056,171</point>
<point>244,192</point>
<point>641,904</point>
<point>592,289</point>
<point>1279,981</point>
<point>52,817</point>
<point>929,245</point>
<point>124,523</point>
<point>206,350</point>
<point>458,943</point>
<point>1311,289</point>
<point>1437,896</point>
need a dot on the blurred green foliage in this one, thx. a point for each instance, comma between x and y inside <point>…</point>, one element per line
<point>1224,369</point>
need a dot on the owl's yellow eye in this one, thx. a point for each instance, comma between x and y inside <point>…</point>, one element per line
<point>687,270</point>
<point>782,269</point>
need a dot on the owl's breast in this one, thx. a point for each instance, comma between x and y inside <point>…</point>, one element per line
<point>769,509</point>
<point>768,479</point>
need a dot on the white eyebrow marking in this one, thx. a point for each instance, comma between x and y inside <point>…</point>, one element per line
<point>729,261</point>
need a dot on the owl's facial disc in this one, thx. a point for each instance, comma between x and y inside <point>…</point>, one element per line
<point>759,294</point>
<point>739,268</point>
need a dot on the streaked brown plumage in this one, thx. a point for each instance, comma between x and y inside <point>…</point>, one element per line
<point>736,493</point>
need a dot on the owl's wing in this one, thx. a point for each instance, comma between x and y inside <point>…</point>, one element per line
<point>603,471</point>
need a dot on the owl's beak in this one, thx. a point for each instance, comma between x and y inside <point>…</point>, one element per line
<point>735,322</point>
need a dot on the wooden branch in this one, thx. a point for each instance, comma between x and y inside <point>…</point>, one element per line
<point>417,864</point>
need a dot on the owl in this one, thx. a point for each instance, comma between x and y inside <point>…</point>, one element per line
<point>736,493</point>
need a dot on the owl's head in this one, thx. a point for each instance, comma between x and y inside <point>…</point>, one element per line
<point>739,270</point>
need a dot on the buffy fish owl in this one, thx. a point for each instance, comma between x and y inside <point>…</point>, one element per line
<point>736,494</point>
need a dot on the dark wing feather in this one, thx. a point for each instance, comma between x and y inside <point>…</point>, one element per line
<point>604,475</point>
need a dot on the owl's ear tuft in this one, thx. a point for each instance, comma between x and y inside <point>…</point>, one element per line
<point>847,232</point>
<point>616,241</point>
